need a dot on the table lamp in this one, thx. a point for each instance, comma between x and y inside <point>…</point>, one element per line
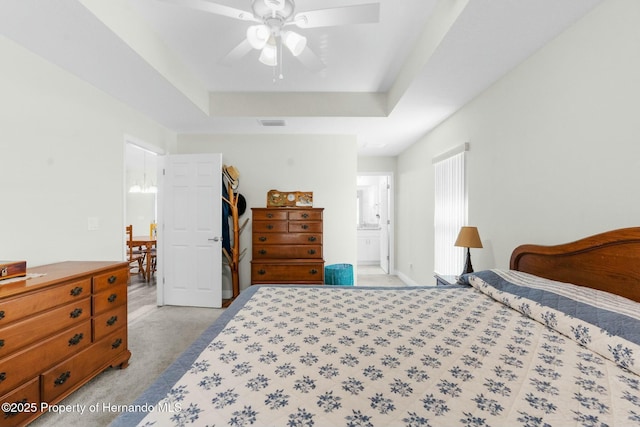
<point>468,238</point>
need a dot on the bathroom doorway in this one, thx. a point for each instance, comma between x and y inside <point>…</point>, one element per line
<point>375,223</point>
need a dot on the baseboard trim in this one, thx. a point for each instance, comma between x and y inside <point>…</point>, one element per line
<point>410,282</point>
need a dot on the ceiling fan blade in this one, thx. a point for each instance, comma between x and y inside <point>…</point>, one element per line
<point>218,9</point>
<point>359,14</point>
<point>310,60</point>
<point>237,52</point>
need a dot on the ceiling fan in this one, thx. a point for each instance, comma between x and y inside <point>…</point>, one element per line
<point>271,20</point>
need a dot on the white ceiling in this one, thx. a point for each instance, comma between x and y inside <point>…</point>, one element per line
<point>387,83</point>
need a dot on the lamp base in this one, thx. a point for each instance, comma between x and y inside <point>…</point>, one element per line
<point>468,268</point>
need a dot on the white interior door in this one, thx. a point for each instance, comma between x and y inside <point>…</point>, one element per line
<point>190,226</point>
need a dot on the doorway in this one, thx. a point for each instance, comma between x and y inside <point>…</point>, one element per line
<point>141,189</point>
<point>140,200</point>
<point>374,223</point>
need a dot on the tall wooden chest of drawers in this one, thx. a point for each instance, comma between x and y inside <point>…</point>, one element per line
<point>57,332</point>
<point>287,246</point>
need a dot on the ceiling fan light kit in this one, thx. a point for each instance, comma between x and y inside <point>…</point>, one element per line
<point>295,42</point>
<point>269,54</point>
<point>258,35</point>
<point>271,16</point>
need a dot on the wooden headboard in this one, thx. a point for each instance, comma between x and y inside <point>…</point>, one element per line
<point>608,261</point>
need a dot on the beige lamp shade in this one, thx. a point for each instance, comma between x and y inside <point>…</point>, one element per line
<point>468,238</point>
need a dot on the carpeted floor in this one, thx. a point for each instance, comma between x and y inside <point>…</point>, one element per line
<point>157,336</point>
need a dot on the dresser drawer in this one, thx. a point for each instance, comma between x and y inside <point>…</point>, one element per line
<point>270,226</point>
<point>110,280</point>
<point>287,251</point>
<point>109,299</point>
<point>298,272</point>
<point>265,214</point>
<point>66,375</point>
<point>13,309</point>
<point>29,362</point>
<point>287,239</point>
<point>27,400</point>
<point>305,227</point>
<point>108,322</point>
<point>305,215</point>
<point>22,333</point>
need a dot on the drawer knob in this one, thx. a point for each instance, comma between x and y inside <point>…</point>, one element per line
<point>269,215</point>
<point>269,226</point>
<point>2,314</point>
<point>117,343</point>
<point>262,239</point>
<point>17,404</point>
<point>76,291</point>
<point>62,378</point>
<point>311,251</point>
<point>112,279</point>
<point>1,343</point>
<point>262,272</point>
<point>75,313</point>
<point>312,239</point>
<point>75,340</point>
<point>3,376</point>
<point>112,297</point>
<point>112,320</point>
<point>262,252</point>
<point>313,271</point>
<point>304,226</point>
<point>305,215</point>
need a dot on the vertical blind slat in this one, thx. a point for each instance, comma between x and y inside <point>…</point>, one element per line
<point>450,213</point>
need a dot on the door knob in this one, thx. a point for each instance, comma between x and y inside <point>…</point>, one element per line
<point>215,239</point>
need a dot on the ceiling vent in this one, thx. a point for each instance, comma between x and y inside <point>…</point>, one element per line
<point>271,123</point>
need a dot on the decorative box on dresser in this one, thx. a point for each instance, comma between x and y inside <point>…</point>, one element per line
<point>287,246</point>
<point>57,331</point>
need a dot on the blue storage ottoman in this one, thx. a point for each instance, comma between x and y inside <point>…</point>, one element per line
<point>338,274</point>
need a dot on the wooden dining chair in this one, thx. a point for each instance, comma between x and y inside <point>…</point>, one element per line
<point>154,260</point>
<point>135,255</point>
<point>153,253</point>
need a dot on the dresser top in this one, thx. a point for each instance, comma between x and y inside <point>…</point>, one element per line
<point>288,208</point>
<point>57,273</point>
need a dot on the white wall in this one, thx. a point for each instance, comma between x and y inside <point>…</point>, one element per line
<point>140,212</point>
<point>325,165</point>
<point>555,148</point>
<point>61,162</point>
<point>371,164</point>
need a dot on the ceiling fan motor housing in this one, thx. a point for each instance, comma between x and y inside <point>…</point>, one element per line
<point>273,9</point>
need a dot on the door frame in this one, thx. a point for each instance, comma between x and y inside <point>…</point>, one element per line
<point>391,181</point>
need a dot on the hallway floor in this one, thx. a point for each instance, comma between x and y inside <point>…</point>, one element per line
<point>373,275</point>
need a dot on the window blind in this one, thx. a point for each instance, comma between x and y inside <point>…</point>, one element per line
<point>450,210</point>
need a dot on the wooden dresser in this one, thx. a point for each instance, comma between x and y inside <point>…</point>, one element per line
<point>287,246</point>
<point>58,331</point>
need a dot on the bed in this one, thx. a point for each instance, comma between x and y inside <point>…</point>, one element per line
<point>540,344</point>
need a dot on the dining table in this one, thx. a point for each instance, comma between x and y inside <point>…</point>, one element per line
<point>147,244</point>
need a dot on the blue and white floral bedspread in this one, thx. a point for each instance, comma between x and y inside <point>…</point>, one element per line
<point>444,356</point>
